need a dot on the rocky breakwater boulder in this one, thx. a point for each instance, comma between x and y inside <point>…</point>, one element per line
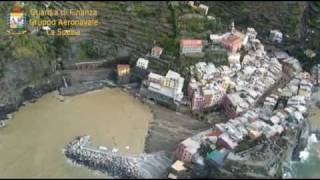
<point>153,165</point>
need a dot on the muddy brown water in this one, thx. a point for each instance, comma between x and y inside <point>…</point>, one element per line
<point>31,145</point>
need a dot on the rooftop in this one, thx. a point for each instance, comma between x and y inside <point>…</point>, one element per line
<point>191,43</point>
<point>179,166</point>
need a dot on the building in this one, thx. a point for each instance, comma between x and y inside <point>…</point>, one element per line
<point>232,42</point>
<point>197,101</point>
<point>187,149</point>
<point>177,170</point>
<point>166,89</point>
<point>281,55</point>
<point>234,104</point>
<point>123,73</point>
<point>251,33</point>
<point>200,7</point>
<point>234,58</point>
<point>189,46</point>
<point>140,71</point>
<point>216,157</point>
<point>225,141</point>
<point>291,66</point>
<point>215,38</point>
<point>203,9</point>
<point>142,63</point>
<point>315,74</point>
<point>156,51</point>
<point>276,36</point>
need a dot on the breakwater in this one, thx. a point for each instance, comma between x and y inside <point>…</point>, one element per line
<point>153,165</point>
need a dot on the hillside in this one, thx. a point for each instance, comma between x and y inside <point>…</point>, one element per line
<point>129,29</point>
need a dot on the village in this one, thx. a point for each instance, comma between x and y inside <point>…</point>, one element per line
<point>218,90</point>
<point>264,96</point>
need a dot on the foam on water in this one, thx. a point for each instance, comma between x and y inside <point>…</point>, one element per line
<point>305,153</point>
<point>308,161</point>
<point>312,139</point>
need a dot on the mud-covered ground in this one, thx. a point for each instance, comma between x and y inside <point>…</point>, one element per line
<point>168,128</point>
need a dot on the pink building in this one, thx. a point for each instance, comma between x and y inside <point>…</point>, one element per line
<point>186,150</point>
<point>198,101</point>
<point>225,141</point>
<point>156,51</point>
<point>192,88</point>
<point>234,104</point>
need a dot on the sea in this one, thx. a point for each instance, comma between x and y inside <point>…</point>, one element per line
<point>308,166</point>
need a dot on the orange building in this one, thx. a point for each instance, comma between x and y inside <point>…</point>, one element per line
<point>190,46</point>
<point>232,42</point>
<point>123,73</point>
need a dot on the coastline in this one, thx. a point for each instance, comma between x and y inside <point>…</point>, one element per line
<point>165,129</point>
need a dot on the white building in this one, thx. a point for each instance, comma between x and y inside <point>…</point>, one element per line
<point>215,38</point>
<point>204,9</point>
<point>170,85</point>
<point>234,58</point>
<point>276,36</point>
<point>142,63</point>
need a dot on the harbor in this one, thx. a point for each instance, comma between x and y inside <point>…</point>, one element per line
<point>38,131</point>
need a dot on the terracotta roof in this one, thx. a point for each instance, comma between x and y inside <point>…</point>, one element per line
<point>232,39</point>
<point>123,66</point>
<point>157,50</point>
<point>191,43</point>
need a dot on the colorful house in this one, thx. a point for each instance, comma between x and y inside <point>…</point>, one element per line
<point>142,63</point>
<point>156,51</point>
<point>189,46</point>
<point>123,72</point>
<point>186,150</point>
<point>232,42</point>
<point>217,157</point>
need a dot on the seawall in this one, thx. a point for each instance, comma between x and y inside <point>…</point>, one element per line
<point>153,165</point>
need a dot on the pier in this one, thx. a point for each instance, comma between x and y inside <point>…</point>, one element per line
<point>153,165</point>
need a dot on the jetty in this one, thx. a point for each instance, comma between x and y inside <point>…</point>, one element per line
<point>155,165</point>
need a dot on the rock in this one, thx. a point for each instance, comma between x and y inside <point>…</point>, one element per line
<point>318,104</point>
<point>9,116</point>
<point>3,124</point>
<point>3,117</point>
<point>60,98</point>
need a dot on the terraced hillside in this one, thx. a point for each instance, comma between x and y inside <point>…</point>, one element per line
<point>125,29</point>
<point>129,29</point>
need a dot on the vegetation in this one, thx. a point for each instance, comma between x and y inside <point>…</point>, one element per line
<point>184,21</point>
<point>217,57</point>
